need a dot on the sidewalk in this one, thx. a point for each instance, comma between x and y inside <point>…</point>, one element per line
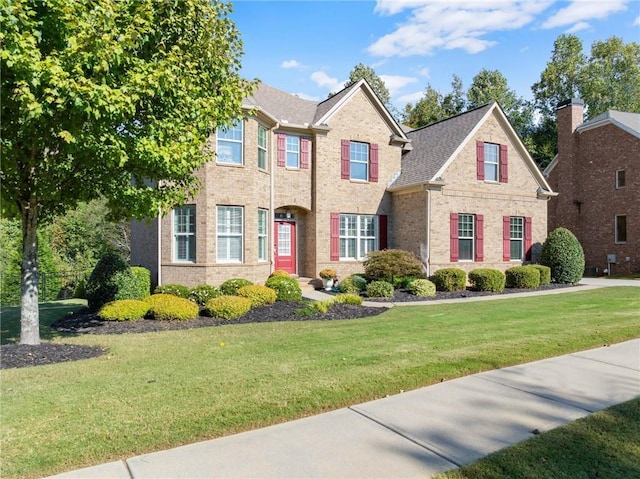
<point>419,433</point>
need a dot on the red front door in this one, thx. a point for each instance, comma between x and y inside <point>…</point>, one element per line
<point>285,246</point>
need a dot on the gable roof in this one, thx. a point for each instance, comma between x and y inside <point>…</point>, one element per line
<point>435,146</point>
<point>627,121</point>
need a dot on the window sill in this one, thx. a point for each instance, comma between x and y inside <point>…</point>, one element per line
<point>620,242</point>
<point>233,165</point>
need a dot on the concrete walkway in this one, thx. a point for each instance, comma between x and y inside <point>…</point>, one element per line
<point>419,433</point>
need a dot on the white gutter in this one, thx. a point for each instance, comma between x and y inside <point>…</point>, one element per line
<point>159,243</point>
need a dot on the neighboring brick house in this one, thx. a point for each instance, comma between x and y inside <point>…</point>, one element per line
<point>470,195</point>
<point>597,174</point>
<point>296,185</point>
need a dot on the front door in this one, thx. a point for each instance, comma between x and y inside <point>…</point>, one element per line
<point>285,246</point>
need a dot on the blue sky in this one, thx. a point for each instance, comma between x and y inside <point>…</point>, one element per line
<point>309,47</point>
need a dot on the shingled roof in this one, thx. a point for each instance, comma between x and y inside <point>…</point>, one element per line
<point>628,121</point>
<point>284,107</point>
<point>435,144</point>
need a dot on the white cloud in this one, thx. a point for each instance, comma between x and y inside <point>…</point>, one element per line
<point>304,96</point>
<point>325,81</point>
<point>290,64</point>
<point>424,72</point>
<point>396,82</point>
<point>582,10</point>
<point>410,97</point>
<point>637,21</point>
<point>452,24</point>
<point>578,27</point>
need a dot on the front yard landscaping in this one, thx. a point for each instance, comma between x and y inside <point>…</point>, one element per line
<point>156,390</point>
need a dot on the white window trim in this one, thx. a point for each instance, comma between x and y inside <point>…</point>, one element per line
<point>466,238</point>
<point>177,234</point>
<point>367,162</point>
<point>264,236</point>
<point>241,142</point>
<point>615,230</point>
<point>359,256</point>
<point>230,235</point>
<point>497,162</point>
<point>264,148</point>
<point>513,238</point>
<point>298,152</point>
<point>618,186</point>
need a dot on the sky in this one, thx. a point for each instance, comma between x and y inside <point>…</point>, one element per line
<point>309,47</point>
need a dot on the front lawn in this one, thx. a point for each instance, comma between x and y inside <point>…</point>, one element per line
<point>159,390</point>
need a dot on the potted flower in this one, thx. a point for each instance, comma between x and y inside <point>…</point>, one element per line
<point>328,275</point>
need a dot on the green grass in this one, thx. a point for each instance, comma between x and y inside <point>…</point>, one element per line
<point>159,390</point>
<point>605,444</point>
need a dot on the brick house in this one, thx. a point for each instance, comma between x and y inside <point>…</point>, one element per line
<point>470,195</point>
<point>597,173</point>
<point>301,186</point>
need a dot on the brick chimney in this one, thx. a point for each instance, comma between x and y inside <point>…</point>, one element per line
<point>569,115</point>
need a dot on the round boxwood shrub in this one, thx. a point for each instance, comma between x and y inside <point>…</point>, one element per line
<point>522,277</point>
<point>392,263</point>
<point>353,284</point>
<point>287,289</point>
<point>178,290</point>
<point>449,279</point>
<point>487,279</point>
<point>380,289</point>
<point>227,307</point>
<point>168,307</point>
<point>563,253</point>
<point>280,272</point>
<point>545,273</point>
<point>348,298</point>
<point>258,294</point>
<point>202,293</point>
<point>124,310</point>
<point>231,286</point>
<point>422,287</point>
<point>143,281</point>
<point>110,280</point>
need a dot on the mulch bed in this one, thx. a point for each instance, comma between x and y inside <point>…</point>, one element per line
<point>86,322</point>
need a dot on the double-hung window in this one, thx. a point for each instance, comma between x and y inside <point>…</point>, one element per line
<point>466,237</point>
<point>229,144</point>
<point>262,234</point>
<point>491,161</point>
<point>262,147</point>
<point>293,152</point>
<point>359,161</point>
<point>229,234</point>
<point>516,237</point>
<point>184,233</point>
<point>358,236</point>
<point>620,179</point>
<point>621,229</point>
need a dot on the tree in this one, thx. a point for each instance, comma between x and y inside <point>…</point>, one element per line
<point>454,102</point>
<point>110,99</point>
<point>377,84</point>
<point>427,110</point>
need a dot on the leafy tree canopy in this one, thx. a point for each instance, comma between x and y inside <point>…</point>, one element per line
<point>377,84</point>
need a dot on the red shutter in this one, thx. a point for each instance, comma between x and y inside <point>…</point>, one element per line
<point>373,174</point>
<point>479,238</point>
<point>527,238</point>
<point>504,164</point>
<point>506,238</point>
<point>382,232</point>
<point>304,153</point>
<point>345,160</point>
<point>453,225</point>
<point>282,147</point>
<point>480,159</point>
<point>335,236</point>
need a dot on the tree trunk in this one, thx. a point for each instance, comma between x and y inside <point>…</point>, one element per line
<point>29,314</point>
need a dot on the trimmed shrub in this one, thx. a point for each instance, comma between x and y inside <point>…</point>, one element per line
<point>449,279</point>
<point>287,289</point>
<point>563,253</point>
<point>380,289</point>
<point>321,306</point>
<point>175,289</point>
<point>258,294</point>
<point>124,310</point>
<point>392,263</point>
<point>403,282</point>
<point>231,286</point>
<point>328,273</point>
<point>110,280</point>
<point>422,287</point>
<point>203,293</point>
<point>168,307</point>
<point>227,307</point>
<point>545,273</point>
<point>348,298</point>
<point>280,272</point>
<point>353,284</point>
<point>487,279</point>
<point>143,281</point>
<point>522,277</point>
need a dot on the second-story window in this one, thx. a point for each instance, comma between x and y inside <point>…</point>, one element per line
<point>229,144</point>
<point>491,162</point>
<point>293,152</point>
<point>359,161</point>
<point>620,179</point>
<point>262,147</point>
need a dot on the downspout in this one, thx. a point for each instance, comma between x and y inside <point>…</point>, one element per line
<point>428,236</point>
<point>272,199</point>
<point>159,247</point>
